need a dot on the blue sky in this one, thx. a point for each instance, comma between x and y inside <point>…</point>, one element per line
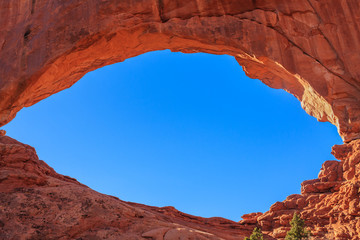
<point>183,130</point>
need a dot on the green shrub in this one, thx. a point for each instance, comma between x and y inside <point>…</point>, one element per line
<point>297,231</point>
<point>256,235</point>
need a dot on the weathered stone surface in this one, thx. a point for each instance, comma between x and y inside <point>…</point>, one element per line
<point>330,204</point>
<point>250,218</point>
<point>309,48</point>
<point>38,203</point>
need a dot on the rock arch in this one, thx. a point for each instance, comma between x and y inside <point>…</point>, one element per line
<point>308,48</point>
<point>302,47</point>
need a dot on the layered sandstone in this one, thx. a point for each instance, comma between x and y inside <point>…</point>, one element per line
<point>330,204</point>
<point>38,203</point>
<point>309,47</point>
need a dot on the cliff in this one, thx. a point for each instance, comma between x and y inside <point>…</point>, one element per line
<point>308,48</point>
<point>38,203</point>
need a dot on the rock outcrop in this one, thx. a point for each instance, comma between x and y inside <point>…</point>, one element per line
<point>309,48</point>
<point>330,204</point>
<point>38,203</point>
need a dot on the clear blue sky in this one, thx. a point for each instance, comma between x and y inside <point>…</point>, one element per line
<point>186,130</point>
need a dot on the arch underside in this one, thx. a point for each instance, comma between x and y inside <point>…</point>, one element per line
<point>309,48</point>
<point>46,46</point>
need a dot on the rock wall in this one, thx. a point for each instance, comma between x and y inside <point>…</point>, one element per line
<point>38,203</point>
<point>329,204</point>
<point>308,48</point>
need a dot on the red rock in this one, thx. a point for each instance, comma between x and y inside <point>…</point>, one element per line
<point>38,203</point>
<point>330,208</point>
<point>250,218</point>
<point>280,232</point>
<point>320,187</point>
<point>354,207</point>
<point>331,171</point>
<point>277,206</point>
<point>290,204</point>
<point>285,219</point>
<point>303,47</point>
<point>308,48</point>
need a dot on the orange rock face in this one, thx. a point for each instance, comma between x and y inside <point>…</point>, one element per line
<point>38,203</point>
<point>308,48</point>
<point>330,204</point>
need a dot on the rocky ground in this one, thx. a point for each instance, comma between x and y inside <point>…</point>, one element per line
<point>38,203</point>
<point>329,204</point>
<point>308,48</point>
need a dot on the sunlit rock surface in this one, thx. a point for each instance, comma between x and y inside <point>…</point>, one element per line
<point>38,203</point>
<point>310,48</point>
<point>330,203</point>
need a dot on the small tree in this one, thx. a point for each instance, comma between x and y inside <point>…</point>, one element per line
<point>297,231</point>
<point>256,235</point>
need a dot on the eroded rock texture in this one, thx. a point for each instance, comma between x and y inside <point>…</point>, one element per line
<point>330,204</point>
<point>38,203</point>
<point>308,47</point>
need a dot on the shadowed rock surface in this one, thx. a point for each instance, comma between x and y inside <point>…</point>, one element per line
<point>309,48</point>
<point>38,203</point>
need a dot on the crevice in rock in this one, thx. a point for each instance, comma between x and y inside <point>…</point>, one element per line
<point>27,34</point>
<point>352,82</point>
<point>33,2</point>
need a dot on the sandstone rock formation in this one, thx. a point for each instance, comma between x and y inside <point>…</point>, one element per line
<point>330,204</point>
<point>310,48</point>
<point>38,203</point>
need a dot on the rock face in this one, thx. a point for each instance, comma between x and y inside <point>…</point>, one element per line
<point>330,204</point>
<point>309,48</point>
<point>38,203</point>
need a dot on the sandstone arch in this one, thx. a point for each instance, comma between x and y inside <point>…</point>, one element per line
<point>46,46</point>
<point>309,48</point>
